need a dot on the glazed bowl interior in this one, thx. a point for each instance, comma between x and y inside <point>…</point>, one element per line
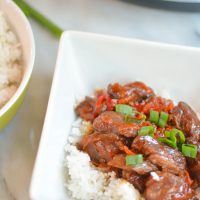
<point>87,61</point>
<point>21,27</point>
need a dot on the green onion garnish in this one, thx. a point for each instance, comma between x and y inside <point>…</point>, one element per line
<point>146,130</point>
<point>44,21</point>
<point>134,160</point>
<point>154,116</point>
<point>163,119</point>
<point>124,109</point>
<point>167,142</point>
<point>130,114</point>
<point>178,134</point>
<point>167,134</point>
<point>189,150</point>
<point>173,138</point>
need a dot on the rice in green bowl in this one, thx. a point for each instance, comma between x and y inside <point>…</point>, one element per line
<point>10,61</point>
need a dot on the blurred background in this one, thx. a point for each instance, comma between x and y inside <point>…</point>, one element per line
<point>160,21</point>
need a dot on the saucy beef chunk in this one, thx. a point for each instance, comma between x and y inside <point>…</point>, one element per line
<point>135,179</point>
<point>129,93</point>
<point>119,161</point>
<point>184,118</point>
<point>86,108</point>
<point>107,120</point>
<point>167,186</point>
<point>194,170</point>
<point>167,158</point>
<point>127,129</point>
<point>101,147</point>
<point>145,168</point>
<point>110,121</point>
<point>194,164</point>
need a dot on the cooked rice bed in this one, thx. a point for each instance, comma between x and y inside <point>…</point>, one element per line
<point>10,62</point>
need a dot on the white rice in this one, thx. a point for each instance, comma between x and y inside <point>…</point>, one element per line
<point>198,193</point>
<point>10,62</point>
<point>85,182</point>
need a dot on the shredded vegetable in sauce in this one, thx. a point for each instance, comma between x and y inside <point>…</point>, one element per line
<point>140,136</point>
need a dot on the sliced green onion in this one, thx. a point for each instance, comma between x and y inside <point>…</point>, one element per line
<point>189,150</point>
<point>154,116</point>
<point>146,130</point>
<point>170,136</point>
<point>134,160</point>
<point>44,21</point>
<point>173,138</point>
<point>168,142</point>
<point>124,109</point>
<point>167,134</point>
<point>163,119</point>
<point>178,134</point>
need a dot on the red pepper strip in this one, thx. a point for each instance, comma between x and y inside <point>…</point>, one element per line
<point>146,123</point>
<point>139,107</point>
<point>128,151</point>
<point>187,178</point>
<point>98,105</point>
<point>158,104</point>
<point>110,103</point>
<point>139,116</point>
<point>104,101</point>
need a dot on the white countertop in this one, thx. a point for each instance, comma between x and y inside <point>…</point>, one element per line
<point>19,140</point>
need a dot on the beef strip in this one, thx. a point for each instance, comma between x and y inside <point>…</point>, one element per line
<point>135,179</point>
<point>167,158</point>
<point>119,161</point>
<point>110,121</point>
<point>129,93</point>
<point>127,129</point>
<point>86,109</point>
<point>194,170</point>
<point>107,120</point>
<point>101,147</point>
<point>184,118</point>
<point>194,164</point>
<point>167,186</point>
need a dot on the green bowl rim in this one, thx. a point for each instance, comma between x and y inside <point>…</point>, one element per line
<point>30,64</point>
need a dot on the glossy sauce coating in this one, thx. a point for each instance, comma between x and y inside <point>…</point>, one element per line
<point>114,138</point>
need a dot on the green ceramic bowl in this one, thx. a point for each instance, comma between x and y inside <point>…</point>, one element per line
<point>21,27</point>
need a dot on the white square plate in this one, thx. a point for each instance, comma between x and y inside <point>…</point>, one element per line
<point>86,61</point>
